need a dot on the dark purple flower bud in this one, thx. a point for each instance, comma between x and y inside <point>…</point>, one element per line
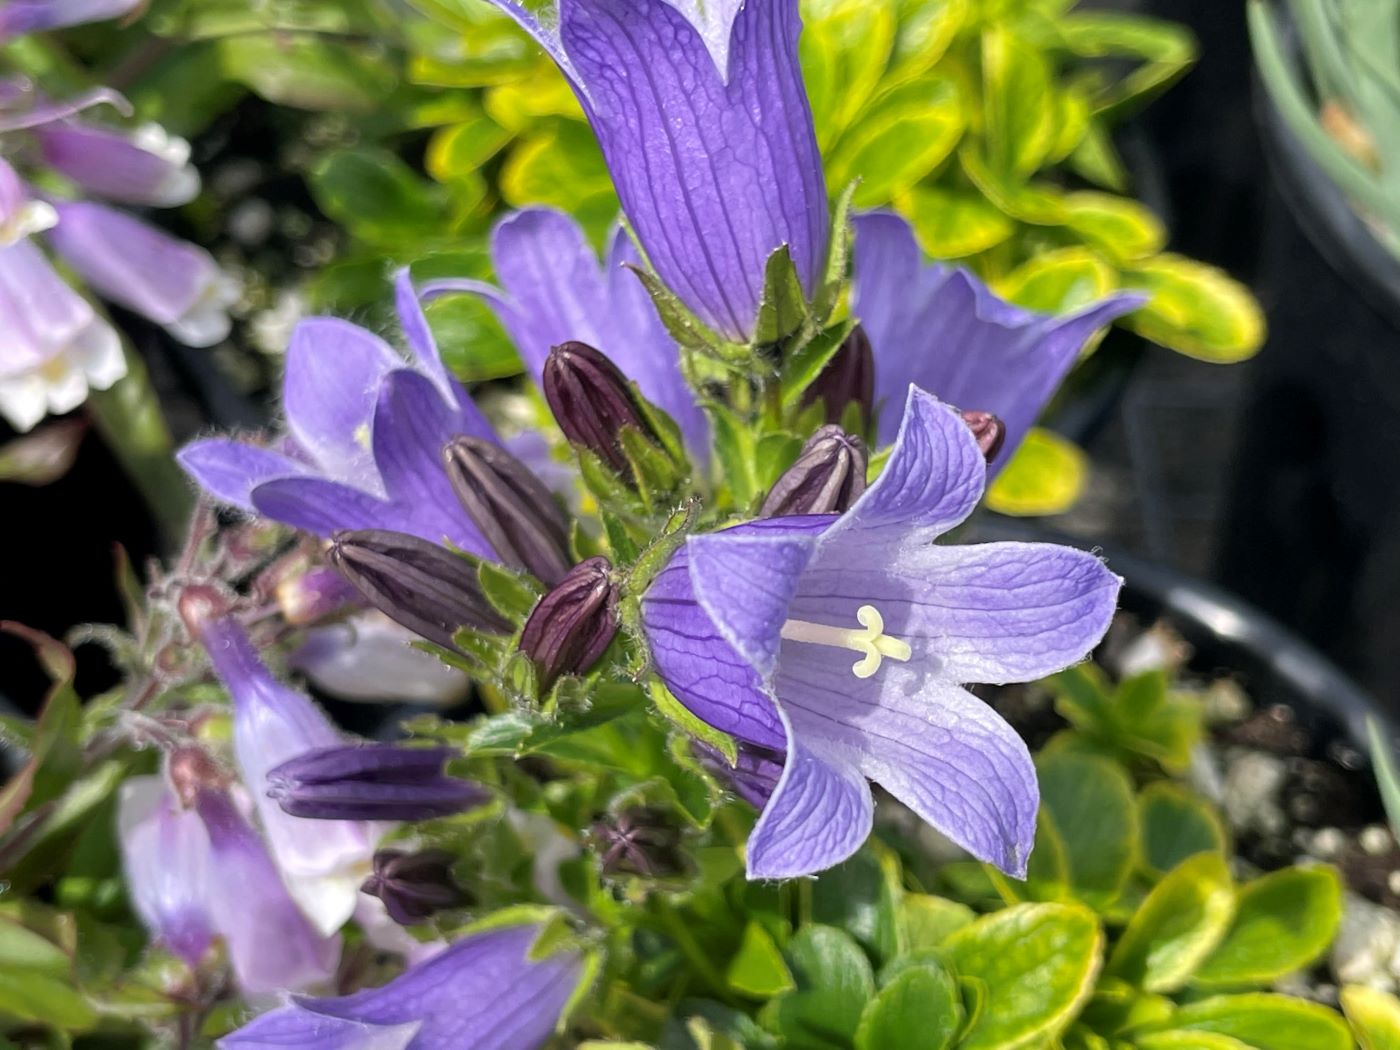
<point>574,623</point>
<point>413,886</point>
<point>848,377</point>
<point>418,584</point>
<point>641,841</point>
<point>372,782</point>
<point>514,511</point>
<point>754,775</point>
<point>989,431</point>
<point>592,401</point>
<point>828,476</point>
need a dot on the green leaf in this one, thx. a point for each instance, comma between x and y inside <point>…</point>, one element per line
<point>843,50</point>
<point>801,366</point>
<point>1169,50</point>
<point>1059,281</point>
<point>926,921</point>
<point>834,982</point>
<point>1178,925</point>
<point>1037,962</point>
<point>1283,921</point>
<point>1175,825</point>
<point>1091,803</point>
<point>920,1007</point>
<point>1266,1022</point>
<point>1038,204</point>
<point>1045,476</point>
<point>904,136</point>
<point>1119,226</point>
<point>1096,159</point>
<point>307,71</point>
<point>1195,309</point>
<point>784,304</point>
<point>1386,771</point>
<point>1188,1041</point>
<point>926,29</point>
<point>377,197</point>
<point>561,165</point>
<point>757,968</point>
<point>861,896</point>
<point>1374,1017</point>
<point>952,223</point>
<point>1018,110</point>
<point>512,593</point>
<point>458,150</point>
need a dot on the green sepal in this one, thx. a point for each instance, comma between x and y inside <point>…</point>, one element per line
<point>689,332</point>
<point>513,594</point>
<point>783,308</point>
<point>684,719</point>
<point>838,256</point>
<point>802,365</point>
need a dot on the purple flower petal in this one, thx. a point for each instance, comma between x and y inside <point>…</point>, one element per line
<point>940,328</point>
<point>322,507</point>
<point>331,383</point>
<point>32,16</point>
<point>142,167</point>
<point>230,470</point>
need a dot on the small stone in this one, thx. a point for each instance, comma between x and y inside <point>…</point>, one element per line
<point>1366,944</point>
<point>1327,843</point>
<point>1376,840</point>
<point>251,222</point>
<point>1252,785</point>
<point>1392,883</point>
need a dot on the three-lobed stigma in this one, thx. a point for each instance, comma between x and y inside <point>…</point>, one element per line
<point>870,641</point>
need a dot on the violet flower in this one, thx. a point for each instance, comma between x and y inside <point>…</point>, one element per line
<point>845,642</point>
<point>482,992</point>
<point>704,122</point>
<point>164,279</point>
<point>18,17</point>
<point>366,434</point>
<point>145,166</point>
<point>553,292</point>
<point>323,862</point>
<point>940,328</point>
<point>55,346</point>
<point>368,657</point>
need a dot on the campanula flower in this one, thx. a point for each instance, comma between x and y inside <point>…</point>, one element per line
<point>482,992</point>
<point>704,122</point>
<point>368,657</point>
<point>552,292</point>
<point>845,643</point>
<point>366,433</point>
<point>18,17</point>
<point>145,166</point>
<point>55,346</point>
<point>940,328</point>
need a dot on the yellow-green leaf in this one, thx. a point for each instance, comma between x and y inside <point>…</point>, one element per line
<point>1195,309</point>
<point>757,968</point>
<point>926,28</point>
<point>563,167</point>
<point>1374,1017</point>
<point>1037,203</point>
<point>843,49</point>
<point>1090,801</point>
<point>1018,107</point>
<point>1120,226</point>
<point>1175,825</point>
<point>951,223</point>
<point>1266,1022</point>
<point>926,921</point>
<point>1059,281</point>
<point>519,105</point>
<point>1045,476</point>
<point>458,150</point>
<point>1188,1041</point>
<point>903,136</point>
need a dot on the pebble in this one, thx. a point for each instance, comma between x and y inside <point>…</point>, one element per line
<point>1252,784</point>
<point>1327,843</point>
<point>1376,840</point>
<point>1367,944</point>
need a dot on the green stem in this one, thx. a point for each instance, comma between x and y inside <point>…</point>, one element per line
<point>129,419</point>
<point>675,928</point>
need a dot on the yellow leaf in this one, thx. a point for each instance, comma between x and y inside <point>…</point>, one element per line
<point>1046,475</point>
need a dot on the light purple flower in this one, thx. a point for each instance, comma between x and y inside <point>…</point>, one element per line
<point>144,166</point>
<point>18,17</point>
<point>552,291</point>
<point>172,282</point>
<point>482,992</point>
<point>941,329</point>
<point>370,658</point>
<point>366,430</point>
<point>703,119</point>
<point>323,861</point>
<point>845,642</point>
<point>202,871</point>
<point>55,347</point>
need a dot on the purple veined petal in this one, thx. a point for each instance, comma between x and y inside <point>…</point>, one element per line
<point>932,481</point>
<point>820,813</point>
<point>412,425</point>
<point>230,470</point>
<point>166,857</point>
<point>322,507</point>
<point>371,658</point>
<point>993,613</point>
<point>146,166</point>
<point>716,163</point>
<point>425,352</point>
<point>482,992</point>
<point>271,724</point>
<point>14,116</point>
<point>172,282</point>
<point>941,329</point>
<point>931,744</point>
<point>18,17</point>
<point>271,944</point>
<point>333,375</point>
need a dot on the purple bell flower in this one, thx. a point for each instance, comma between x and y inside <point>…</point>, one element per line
<point>18,17</point>
<point>146,166</point>
<point>553,292</point>
<point>366,430</point>
<point>940,328</point>
<point>323,862</point>
<point>704,122</point>
<point>482,992</point>
<point>164,279</point>
<point>845,643</point>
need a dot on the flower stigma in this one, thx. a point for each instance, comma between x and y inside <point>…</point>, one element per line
<point>871,642</point>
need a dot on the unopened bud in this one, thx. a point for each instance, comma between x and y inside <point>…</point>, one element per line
<point>573,624</point>
<point>417,584</point>
<point>989,431</point>
<point>512,508</point>
<point>306,597</point>
<point>592,401</point>
<point>641,841</point>
<point>849,377</point>
<point>413,886</point>
<point>828,476</point>
<point>372,782</point>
